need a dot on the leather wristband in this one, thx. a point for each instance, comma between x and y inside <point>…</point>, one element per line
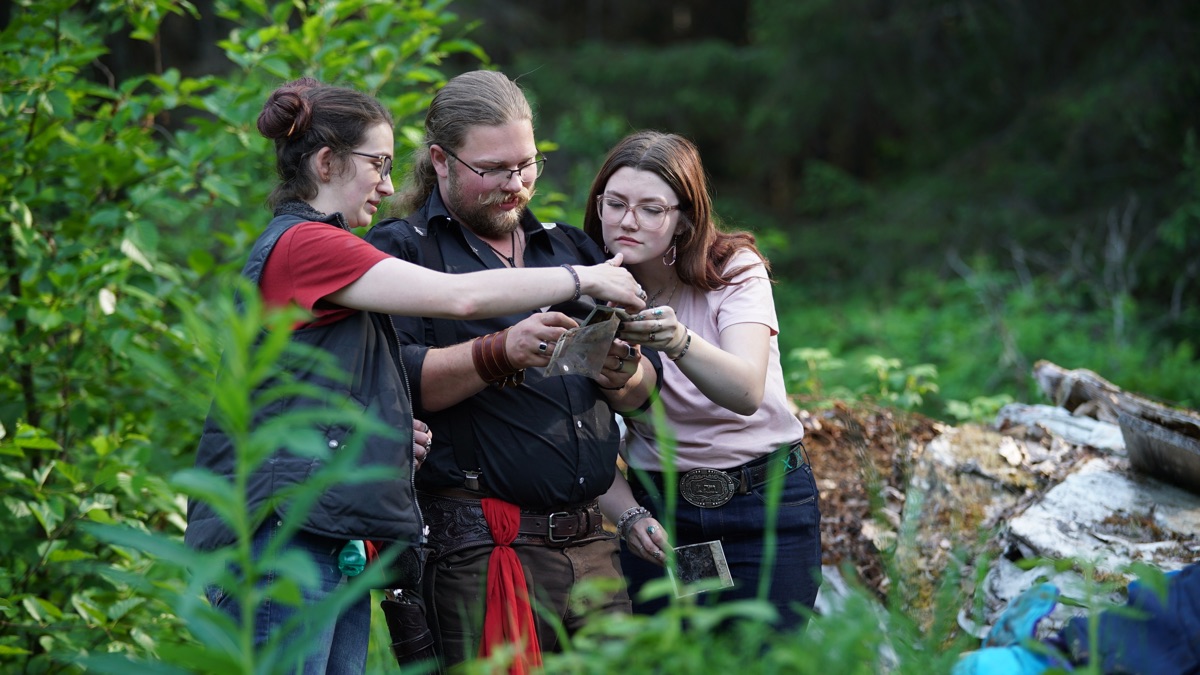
<point>489,353</point>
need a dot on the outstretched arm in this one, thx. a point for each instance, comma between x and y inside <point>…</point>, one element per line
<point>394,286</point>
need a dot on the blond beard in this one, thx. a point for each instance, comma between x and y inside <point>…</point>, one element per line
<point>479,217</point>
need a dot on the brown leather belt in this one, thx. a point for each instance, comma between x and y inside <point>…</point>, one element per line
<point>560,526</point>
<point>455,520</point>
<point>710,488</point>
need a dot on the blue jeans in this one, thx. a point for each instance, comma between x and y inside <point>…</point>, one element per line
<point>740,524</point>
<point>341,646</point>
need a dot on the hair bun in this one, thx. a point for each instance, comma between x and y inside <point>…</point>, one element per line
<point>287,112</point>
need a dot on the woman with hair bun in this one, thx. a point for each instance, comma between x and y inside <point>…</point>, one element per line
<point>334,150</point>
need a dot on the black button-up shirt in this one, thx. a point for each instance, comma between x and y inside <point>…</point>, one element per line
<point>549,442</point>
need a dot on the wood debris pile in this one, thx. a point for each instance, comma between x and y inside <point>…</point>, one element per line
<point>903,496</point>
<point>860,458</point>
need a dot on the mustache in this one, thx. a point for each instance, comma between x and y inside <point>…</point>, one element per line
<point>499,197</point>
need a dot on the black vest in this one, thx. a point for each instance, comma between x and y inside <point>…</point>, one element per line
<point>364,345</point>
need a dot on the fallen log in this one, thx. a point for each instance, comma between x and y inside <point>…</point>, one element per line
<point>1072,389</point>
<point>1161,441</point>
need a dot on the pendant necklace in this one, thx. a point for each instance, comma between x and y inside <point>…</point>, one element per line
<point>511,259</point>
<point>651,301</point>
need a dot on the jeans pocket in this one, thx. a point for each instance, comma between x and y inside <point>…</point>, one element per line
<point>799,488</point>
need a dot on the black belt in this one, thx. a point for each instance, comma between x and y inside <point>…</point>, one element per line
<point>455,519</point>
<point>710,488</point>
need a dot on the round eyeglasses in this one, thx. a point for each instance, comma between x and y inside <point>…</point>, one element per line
<point>384,166</point>
<point>527,172</point>
<point>649,216</point>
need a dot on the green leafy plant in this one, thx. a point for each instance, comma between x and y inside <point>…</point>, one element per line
<point>814,362</point>
<point>903,387</point>
<point>887,380</point>
<point>255,348</point>
<point>980,409</point>
<point>129,201</point>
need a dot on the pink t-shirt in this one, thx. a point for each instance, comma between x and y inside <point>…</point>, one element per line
<point>708,435</point>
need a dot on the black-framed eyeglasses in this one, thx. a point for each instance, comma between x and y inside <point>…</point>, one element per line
<point>648,215</point>
<point>385,162</point>
<point>527,172</point>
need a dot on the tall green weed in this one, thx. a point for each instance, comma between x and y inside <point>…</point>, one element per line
<point>254,345</point>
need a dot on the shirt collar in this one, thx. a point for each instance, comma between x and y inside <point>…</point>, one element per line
<point>296,207</point>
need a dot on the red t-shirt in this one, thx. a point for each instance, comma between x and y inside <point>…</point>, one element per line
<point>312,260</point>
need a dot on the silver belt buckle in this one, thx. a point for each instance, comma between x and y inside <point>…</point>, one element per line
<point>550,524</point>
<point>707,488</point>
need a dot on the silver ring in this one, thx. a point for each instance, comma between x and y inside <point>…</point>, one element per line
<point>658,312</point>
<point>650,529</point>
<point>641,293</point>
<point>620,364</point>
<point>428,444</point>
<point>629,352</point>
<point>542,346</point>
<point>652,337</point>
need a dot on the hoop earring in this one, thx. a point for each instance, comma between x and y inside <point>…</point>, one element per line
<point>672,252</point>
<point>606,251</point>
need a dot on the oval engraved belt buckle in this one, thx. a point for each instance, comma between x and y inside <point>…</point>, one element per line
<point>707,488</point>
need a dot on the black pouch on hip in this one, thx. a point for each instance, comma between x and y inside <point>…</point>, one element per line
<point>412,641</point>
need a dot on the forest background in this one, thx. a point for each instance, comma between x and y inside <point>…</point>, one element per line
<point>948,191</point>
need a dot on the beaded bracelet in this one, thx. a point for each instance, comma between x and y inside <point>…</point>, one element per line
<point>631,516</point>
<point>629,525</point>
<point>687,344</point>
<point>575,277</point>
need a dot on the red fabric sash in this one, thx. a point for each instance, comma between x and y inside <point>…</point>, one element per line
<point>508,617</point>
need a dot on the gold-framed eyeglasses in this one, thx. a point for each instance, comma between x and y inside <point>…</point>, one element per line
<point>648,215</point>
<point>384,166</point>
<point>527,172</point>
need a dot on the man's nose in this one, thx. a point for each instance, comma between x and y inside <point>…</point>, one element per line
<point>513,178</point>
